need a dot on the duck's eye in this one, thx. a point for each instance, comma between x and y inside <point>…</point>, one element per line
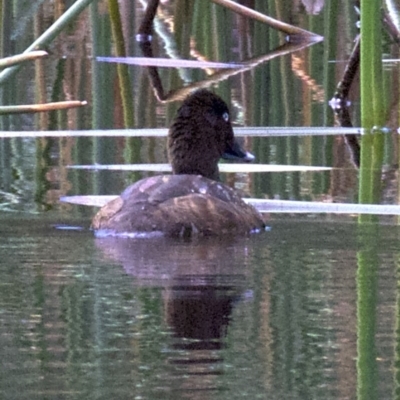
<point>225,116</point>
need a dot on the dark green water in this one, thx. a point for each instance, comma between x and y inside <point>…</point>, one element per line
<point>271,316</point>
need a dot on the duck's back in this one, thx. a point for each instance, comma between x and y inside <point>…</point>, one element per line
<point>177,205</point>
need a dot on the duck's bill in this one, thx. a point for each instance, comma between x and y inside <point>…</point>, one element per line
<point>236,152</point>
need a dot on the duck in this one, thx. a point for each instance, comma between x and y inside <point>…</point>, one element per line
<point>192,201</point>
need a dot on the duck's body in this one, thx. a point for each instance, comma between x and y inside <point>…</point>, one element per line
<point>192,201</point>
<point>178,205</point>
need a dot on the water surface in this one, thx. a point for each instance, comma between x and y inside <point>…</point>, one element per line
<point>270,316</point>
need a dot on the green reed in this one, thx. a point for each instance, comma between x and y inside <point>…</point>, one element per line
<point>372,150</point>
<point>372,102</point>
<point>51,33</point>
<point>125,86</point>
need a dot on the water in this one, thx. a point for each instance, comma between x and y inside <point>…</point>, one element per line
<point>270,316</point>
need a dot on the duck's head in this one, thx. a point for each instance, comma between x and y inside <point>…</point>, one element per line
<point>201,134</point>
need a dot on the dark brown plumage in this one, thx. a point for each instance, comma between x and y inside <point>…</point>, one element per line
<point>200,134</point>
<point>192,201</point>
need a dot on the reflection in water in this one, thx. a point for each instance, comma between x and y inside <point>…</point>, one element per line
<point>82,318</point>
<point>164,262</point>
<point>201,281</point>
<point>199,317</point>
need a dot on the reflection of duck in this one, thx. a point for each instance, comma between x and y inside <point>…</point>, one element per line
<point>195,286</point>
<point>192,201</point>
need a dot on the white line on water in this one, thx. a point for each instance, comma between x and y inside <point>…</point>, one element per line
<point>272,206</point>
<point>160,132</point>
